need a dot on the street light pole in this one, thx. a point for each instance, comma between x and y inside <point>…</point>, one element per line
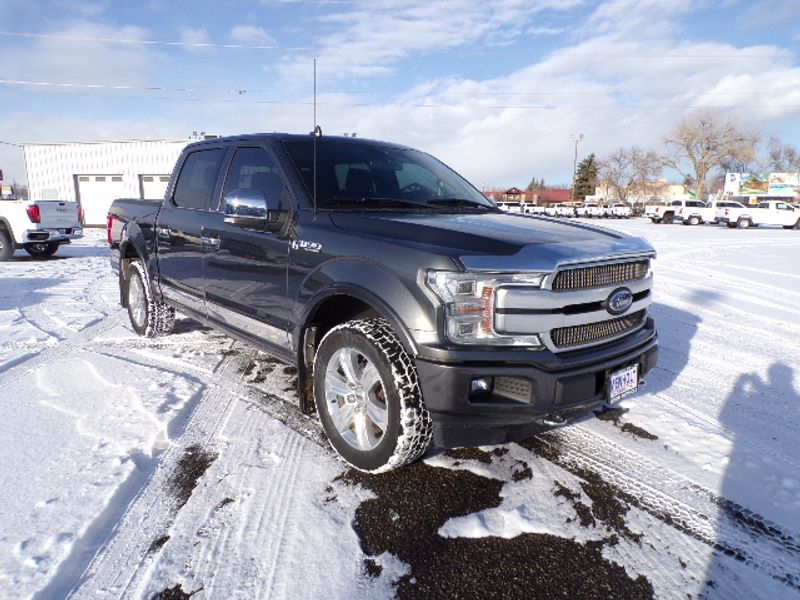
<point>575,137</point>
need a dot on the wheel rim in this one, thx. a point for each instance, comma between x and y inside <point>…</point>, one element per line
<point>356,399</point>
<point>137,301</point>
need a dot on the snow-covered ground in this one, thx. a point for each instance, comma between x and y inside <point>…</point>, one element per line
<point>131,466</point>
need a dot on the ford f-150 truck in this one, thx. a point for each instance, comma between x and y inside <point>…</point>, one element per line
<point>413,308</point>
<point>771,212</point>
<point>38,226</point>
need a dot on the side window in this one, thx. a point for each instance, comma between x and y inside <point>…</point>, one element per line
<point>197,178</point>
<point>254,169</point>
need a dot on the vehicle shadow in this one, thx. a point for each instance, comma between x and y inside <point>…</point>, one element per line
<point>676,329</point>
<point>64,252</point>
<point>762,414</point>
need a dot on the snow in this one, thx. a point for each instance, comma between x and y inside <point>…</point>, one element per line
<point>95,422</point>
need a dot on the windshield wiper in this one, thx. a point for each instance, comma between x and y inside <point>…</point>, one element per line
<point>459,203</point>
<point>371,202</point>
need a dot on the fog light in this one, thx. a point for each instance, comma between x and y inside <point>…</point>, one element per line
<point>480,385</point>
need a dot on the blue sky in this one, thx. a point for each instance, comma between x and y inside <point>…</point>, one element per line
<point>493,88</point>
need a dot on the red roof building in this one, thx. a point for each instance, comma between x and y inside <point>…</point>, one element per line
<point>555,196</point>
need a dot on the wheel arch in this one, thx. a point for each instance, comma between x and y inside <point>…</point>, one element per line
<point>344,289</point>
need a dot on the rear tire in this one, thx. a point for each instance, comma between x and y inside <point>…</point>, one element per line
<point>743,223</point>
<point>368,397</point>
<point>694,221</point>
<point>41,249</point>
<point>149,318</point>
<point>6,245</point>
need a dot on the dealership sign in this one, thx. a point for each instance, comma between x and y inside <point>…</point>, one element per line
<point>762,184</point>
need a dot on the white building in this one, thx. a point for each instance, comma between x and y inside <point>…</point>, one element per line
<point>97,173</point>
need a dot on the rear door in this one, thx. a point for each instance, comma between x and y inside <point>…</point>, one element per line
<point>180,226</point>
<point>246,269</point>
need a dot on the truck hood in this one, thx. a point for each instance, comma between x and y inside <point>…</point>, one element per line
<point>495,241</point>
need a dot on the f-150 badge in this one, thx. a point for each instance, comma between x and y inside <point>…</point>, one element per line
<point>308,246</point>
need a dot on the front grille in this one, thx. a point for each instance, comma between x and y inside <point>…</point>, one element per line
<point>585,278</point>
<point>567,337</point>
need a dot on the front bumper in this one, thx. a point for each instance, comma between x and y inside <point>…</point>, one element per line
<point>554,388</point>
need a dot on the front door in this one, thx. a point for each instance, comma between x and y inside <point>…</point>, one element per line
<point>246,269</point>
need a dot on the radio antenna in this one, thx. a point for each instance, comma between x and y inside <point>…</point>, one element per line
<point>317,132</point>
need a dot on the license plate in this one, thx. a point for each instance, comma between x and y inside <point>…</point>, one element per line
<point>622,382</point>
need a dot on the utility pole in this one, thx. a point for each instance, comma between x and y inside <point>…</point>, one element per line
<point>575,137</point>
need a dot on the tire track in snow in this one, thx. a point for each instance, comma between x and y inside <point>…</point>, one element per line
<point>682,504</point>
<point>121,563</point>
<point>279,512</point>
<point>740,436</point>
<point>79,340</point>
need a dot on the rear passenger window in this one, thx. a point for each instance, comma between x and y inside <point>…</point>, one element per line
<point>197,178</point>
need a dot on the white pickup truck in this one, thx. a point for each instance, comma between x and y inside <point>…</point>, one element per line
<point>697,213</point>
<point>39,227</point>
<point>619,210</point>
<point>773,212</point>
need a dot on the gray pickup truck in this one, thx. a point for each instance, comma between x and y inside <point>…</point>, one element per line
<point>413,308</point>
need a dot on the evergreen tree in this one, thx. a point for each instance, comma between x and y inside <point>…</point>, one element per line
<point>535,184</point>
<point>586,178</point>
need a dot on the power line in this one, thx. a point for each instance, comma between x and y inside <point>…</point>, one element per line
<point>243,91</point>
<point>76,38</point>
<point>430,105</point>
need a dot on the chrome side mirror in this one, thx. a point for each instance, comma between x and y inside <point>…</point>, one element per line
<point>250,208</point>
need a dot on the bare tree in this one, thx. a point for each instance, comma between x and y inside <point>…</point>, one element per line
<point>631,172</point>
<point>702,143</point>
<point>782,158</point>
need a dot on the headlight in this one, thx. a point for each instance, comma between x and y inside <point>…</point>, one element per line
<point>468,300</point>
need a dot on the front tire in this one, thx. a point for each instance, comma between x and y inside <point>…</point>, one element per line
<point>6,245</point>
<point>41,249</point>
<point>743,223</point>
<point>368,397</point>
<point>148,317</point>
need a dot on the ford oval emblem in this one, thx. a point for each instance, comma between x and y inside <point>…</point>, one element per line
<point>619,301</point>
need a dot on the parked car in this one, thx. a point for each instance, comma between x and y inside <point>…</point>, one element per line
<point>39,227</point>
<point>513,207</point>
<point>619,210</point>
<point>412,312</point>
<point>773,212</point>
<point>534,209</point>
<point>667,211</point>
<point>564,210</point>
<point>598,211</point>
<point>696,213</point>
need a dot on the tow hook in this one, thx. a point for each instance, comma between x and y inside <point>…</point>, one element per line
<point>553,420</point>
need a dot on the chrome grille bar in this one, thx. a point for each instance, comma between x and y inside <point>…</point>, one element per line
<point>585,278</point>
<point>577,335</point>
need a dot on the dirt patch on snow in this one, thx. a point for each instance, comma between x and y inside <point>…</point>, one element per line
<point>191,467</point>
<point>413,503</point>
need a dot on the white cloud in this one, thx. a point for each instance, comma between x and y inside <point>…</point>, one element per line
<point>369,40</point>
<point>194,40</point>
<point>249,34</point>
<point>74,55</point>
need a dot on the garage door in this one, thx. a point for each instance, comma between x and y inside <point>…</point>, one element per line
<point>96,193</point>
<point>153,186</point>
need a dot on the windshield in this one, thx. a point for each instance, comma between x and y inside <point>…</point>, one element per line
<point>380,176</point>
